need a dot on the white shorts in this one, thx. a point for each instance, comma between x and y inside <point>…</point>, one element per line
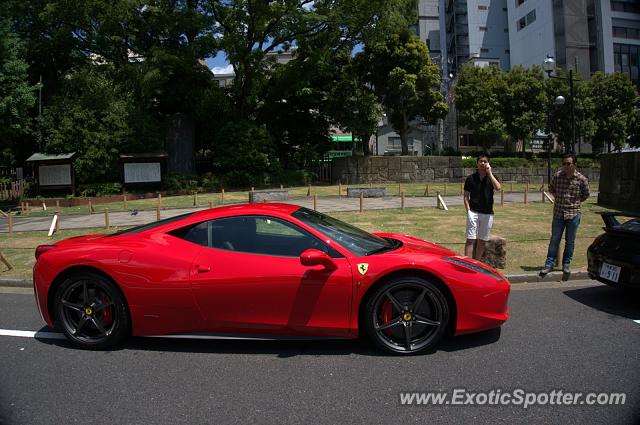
<point>479,225</point>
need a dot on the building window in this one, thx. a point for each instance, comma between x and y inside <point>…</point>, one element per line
<point>623,6</point>
<point>482,7</point>
<point>626,58</point>
<point>506,30</point>
<point>483,28</point>
<point>507,51</point>
<point>526,20</point>
<point>623,32</point>
<point>484,50</point>
<point>519,2</point>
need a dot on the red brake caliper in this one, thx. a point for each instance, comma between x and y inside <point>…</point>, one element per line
<point>107,313</point>
<point>386,314</point>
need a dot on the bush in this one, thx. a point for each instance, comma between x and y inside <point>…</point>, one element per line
<point>205,182</point>
<point>99,189</point>
<point>245,154</point>
<point>533,162</point>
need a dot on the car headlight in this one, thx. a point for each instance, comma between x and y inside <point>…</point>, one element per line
<point>474,267</point>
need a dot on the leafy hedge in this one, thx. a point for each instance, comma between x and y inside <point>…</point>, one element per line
<point>470,162</point>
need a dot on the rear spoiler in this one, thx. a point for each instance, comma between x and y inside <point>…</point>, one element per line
<point>610,220</point>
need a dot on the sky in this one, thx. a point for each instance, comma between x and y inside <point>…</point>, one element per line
<point>219,64</point>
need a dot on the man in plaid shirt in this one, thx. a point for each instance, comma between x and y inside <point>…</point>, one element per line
<point>569,189</point>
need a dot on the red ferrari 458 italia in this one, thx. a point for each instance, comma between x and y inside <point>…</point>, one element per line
<point>264,270</point>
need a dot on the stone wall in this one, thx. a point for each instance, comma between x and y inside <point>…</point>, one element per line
<point>408,169</point>
<point>620,184</point>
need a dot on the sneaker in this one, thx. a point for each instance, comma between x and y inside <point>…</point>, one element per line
<point>566,272</point>
<point>546,271</point>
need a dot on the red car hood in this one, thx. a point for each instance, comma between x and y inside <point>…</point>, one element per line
<point>411,245</point>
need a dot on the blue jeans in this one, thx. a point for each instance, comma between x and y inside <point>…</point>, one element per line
<point>557,227</point>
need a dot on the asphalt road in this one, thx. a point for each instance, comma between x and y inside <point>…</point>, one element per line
<point>577,337</point>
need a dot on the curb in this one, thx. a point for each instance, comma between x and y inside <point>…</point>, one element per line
<point>551,277</point>
<point>513,278</point>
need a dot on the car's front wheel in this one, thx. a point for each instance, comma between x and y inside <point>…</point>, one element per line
<point>407,315</point>
<point>92,311</point>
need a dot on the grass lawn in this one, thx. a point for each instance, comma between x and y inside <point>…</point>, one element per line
<point>203,199</point>
<point>526,227</point>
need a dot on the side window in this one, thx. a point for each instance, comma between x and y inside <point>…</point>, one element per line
<point>264,235</point>
<point>198,234</point>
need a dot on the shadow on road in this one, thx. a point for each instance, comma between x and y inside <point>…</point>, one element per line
<point>609,300</point>
<point>282,349</point>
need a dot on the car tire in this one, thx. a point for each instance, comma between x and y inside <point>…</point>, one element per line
<point>407,315</point>
<point>92,311</point>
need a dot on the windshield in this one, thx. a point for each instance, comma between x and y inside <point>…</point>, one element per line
<point>355,240</point>
<point>148,226</point>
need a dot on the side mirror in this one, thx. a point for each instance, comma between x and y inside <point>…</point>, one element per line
<point>313,257</point>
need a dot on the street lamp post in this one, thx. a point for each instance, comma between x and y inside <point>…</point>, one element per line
<point>549,65</point>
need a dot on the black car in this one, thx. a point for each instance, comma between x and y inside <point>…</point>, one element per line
<point>614,256</point>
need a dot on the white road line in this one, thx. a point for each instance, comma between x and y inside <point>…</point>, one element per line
<point>56,335</point>
<point>31,334</point>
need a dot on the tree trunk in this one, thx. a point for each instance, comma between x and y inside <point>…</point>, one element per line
<point>404,132</point>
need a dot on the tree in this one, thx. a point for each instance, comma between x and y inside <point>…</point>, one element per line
<point>406,80</point>
<point>560,114</point>
<point>523,103</point>
<point>17,96</point>
<point>478,99</point>
<point>98,119</point>
<point>252,30</point>
<point>615,110</point>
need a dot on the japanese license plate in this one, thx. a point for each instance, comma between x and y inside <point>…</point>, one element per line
<point>610,272</point>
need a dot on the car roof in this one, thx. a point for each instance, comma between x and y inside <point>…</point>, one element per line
<point>241,209</point>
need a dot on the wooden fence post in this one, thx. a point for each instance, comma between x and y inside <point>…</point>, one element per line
<point>222,197</point>
<point>309,191</point>
<point>90,207</point>
<point>339,189</point>
<point>502,197</point>
<point>361,201</point>
<point>210,204</point>
<point>526,193</point>
<point>57,221</point>
<point>10,218</point>
<point>158,213</point>
<point>5,261</point>
<point>437,198</point>
<point>315,201</point>
<point>426,190</point>
<point>402,200</point>
<point>124,201</point>
<point>106,218</point>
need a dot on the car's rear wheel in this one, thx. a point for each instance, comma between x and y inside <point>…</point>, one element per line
<point>407,315</point>
<point>92,311</point>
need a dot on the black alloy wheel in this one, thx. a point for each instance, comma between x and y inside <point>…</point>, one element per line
<point>92,311</point>
<point>408,315</point>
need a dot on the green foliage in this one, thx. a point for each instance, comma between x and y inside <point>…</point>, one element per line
<point>523,102</point>
<point>99,189</point>
<point>517,162</point>
<point>17,96</point>
<point>615,112</point>
<point>97,118</point>
<point>478,99</point>
<point>244,154</point>
<point>176,182</point>
<point>404,77</point>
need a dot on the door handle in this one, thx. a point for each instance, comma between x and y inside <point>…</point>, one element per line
<point>203,269</point>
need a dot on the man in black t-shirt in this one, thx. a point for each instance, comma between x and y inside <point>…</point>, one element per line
<point>478,201</point>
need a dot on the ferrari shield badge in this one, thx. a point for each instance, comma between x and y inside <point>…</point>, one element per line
<point>362,268</point>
